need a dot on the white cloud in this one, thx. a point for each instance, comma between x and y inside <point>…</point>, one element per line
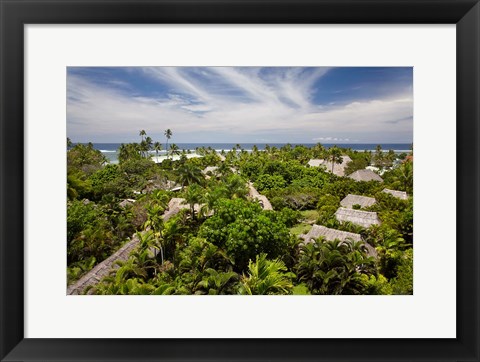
<point>277,106</point>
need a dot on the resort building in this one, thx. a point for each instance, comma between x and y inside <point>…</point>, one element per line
<point>363,201</point>
<point>254,194</point>
<point>328,234</point>
<point>365,175</point>
<point>402,195</point>
<point>338,168</point>
<point>357,217</point>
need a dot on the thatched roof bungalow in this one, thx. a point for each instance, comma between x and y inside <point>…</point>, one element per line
<point>254,194</point>
<point>365,175</point>
<point>357,217</point>
<point>402,195</point>
<point>328,234</point>
<point>351,200</point>
<point>338,168</point>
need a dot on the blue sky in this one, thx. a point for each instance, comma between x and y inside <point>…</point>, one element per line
<point>241,104</point>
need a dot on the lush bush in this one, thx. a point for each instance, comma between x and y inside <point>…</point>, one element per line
<point>85,158</point>
<point>334,268</point>
<point>244,230</point>
<point>269,182</point>
<point>294,198</point>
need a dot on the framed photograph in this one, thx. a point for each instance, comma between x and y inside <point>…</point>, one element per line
<point>239,181</point>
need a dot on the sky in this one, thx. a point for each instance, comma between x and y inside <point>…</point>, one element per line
<point>241,104</point>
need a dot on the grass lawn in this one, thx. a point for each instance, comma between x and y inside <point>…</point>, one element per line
<point>300,229</point>
<point>310,215</point>
<point>308,218</point>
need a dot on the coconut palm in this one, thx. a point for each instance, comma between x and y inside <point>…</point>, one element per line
<point>148,144</point>
<point>174,150</point>
<point>193,195</point>
<point>157,147</point>
<point>155,224</point>
<point>168,134</point>
<point>142,133</point>
<point>334,154</point>
<point>188,174</point>
<point>266,277</point>
<point>215,282</point>
<point>334,267</point>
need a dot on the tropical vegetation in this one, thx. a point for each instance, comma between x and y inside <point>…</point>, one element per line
<point>220,239</point>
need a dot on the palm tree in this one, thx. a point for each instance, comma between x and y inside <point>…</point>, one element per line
<point>334,267</point>
<point>142,133</point>
<point>155,223</point>
<point>216,282</point>
<point>193,195</point>
<point>147,146</point>
<point>236,187</point>
<point>404,176</point>
<point>188,174</point>
<point>335,155</point>
<point>157,146</point>
<point>266,277</point>
<point>168,134</point>
<point>174,150</point>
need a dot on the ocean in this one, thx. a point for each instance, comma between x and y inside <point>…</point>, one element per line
<point>110,150</point>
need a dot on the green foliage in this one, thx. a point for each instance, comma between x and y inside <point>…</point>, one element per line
<point>94,231</point>
<point>289,217</point>
<point>79,268</point>
<point>403,282</point>
<point>188,174</point>
<point>233,246</point>
<point>401,177</point>
<point>109,180</point>
<point>266,277</point>
<point>78,186</point>
<point>269,182</point>
<point>376,285</point>
<point>294,198</point>
<point>244,230</point>
<point>300,289</point>
<point>327,206</point>
<point>85,158</point>
<point>357,163</point>
<point>334,268</point>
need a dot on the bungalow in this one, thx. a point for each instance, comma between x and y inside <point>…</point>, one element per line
<point>338,168</point>
<point>328,234</point>
<point>357,217</point>
<point>402,195</point>
<point>351,200</point>
<point>365,175</point>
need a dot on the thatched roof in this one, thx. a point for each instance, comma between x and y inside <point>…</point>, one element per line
<point>398,194</point>
<point>175,205</point>
<point>316,162</point>
<point>338,168</point>
<point>211,169</point>
<point>328,234</point>
<point>103,269</point>
<point>365,175</point>
<point>358,217</point>
<point>254,194</point>
<point>351,200</point>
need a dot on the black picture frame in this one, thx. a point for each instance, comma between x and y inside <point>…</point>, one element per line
<point>16,13</point>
